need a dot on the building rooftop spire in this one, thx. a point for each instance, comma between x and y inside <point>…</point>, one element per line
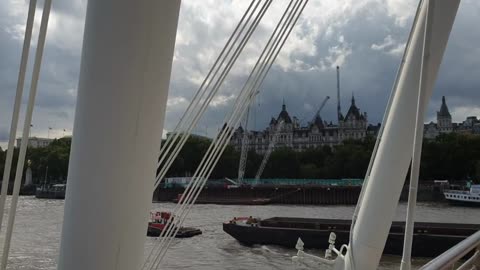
<point>444,109</point>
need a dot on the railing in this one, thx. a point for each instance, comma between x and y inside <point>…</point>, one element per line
<point>449,258</point>
<point>453,191</point>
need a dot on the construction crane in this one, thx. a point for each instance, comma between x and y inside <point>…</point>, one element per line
<point>320,108</point>
<point>244,151</point>
<point>269,150</point>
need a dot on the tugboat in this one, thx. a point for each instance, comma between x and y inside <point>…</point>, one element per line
<point>159,222</point>
<point>430,239</point>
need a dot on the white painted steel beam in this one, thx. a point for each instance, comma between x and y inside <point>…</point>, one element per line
<point>417,142</point>
<point>16,106</point>
<point>394,152</point>
<point>124,79</point>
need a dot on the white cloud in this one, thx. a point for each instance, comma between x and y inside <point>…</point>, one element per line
<point>221,100</point>
<point>389,46</point>
<point>365,37</point>
<point>401,10</point>
<point>174,101</point>
<point>459,113</point>
<point>387,42</point>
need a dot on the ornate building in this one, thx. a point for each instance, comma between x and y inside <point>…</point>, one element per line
<point>317,133</point>
<point>444,119</point>
<point>445,125</point>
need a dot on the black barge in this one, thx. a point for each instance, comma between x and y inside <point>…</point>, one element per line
<point>429,239</point>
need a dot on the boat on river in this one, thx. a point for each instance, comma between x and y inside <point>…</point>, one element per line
<point>430,239</point>
<point>159,221</point>
<point>56,191</point>
<point>466,197</point>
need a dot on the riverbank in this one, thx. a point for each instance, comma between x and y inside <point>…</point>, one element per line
<point>306,195</point>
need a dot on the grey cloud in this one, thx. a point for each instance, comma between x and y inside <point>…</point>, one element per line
<point>4,134</point>
<point>310,76</point>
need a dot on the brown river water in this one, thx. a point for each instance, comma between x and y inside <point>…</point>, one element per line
<point>36,237</point>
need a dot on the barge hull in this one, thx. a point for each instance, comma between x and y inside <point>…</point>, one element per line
<point>429,240</point>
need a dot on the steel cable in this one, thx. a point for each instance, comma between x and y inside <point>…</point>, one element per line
<point>26,131</point>
<point>196,116</point>
<point>227,132</point>
<point>16,106</point>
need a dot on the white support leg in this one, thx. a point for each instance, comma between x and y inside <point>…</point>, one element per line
<point>417,143</point>
<point>394,153</point>
<point>124,79</point>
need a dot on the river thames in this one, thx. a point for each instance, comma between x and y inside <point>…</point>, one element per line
<point>36,239</point>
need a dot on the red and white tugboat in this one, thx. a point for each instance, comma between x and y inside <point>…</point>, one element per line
<point>159,222</point>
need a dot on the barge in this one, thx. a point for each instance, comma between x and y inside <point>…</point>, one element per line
<point>429,239</point>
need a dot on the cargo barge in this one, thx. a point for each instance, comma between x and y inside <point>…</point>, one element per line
<point>429,239</point>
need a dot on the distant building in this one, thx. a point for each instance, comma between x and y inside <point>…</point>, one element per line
<point>299,138</point>
<point>35,142</point>
<point>445,125</point>
<point>372,130</point>
<point>444,119</point>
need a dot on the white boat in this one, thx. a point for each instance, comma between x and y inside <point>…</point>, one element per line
<point>471,196</point>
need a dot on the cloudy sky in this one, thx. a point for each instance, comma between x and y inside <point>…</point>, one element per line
<point>365,37</point>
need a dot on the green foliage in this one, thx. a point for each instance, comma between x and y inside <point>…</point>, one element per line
<point>55,156</point>
<point>452,157</point>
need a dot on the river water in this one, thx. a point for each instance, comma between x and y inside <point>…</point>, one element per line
<point>36,237</point>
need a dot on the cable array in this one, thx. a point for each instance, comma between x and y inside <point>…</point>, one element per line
<point>210,86</point>
<point>380,132</point>
<point>218,145</point>
<point>27,122</point>
<point>16,107</point>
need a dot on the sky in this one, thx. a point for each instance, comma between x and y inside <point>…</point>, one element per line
<point>365,38</point>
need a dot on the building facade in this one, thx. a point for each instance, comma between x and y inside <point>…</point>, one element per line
<point>317,133</point>
<point>35,142</point>
<point>444,124</point>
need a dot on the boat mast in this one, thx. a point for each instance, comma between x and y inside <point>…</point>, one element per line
<point>394,152</point>
<point>124,78</point>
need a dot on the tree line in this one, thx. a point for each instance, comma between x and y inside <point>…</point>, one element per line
<point>47,163</point>
<point>449,156</point>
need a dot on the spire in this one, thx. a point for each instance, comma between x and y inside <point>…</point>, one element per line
<point>284,114</point>
<point>353,111</point>
<point>443,109</point>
